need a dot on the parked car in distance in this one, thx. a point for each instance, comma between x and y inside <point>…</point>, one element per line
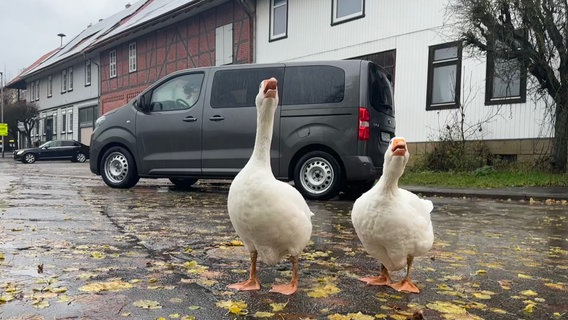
<point>54,150</point>
<point>332,126</point>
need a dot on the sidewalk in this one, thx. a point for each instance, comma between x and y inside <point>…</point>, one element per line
<point>518,193</point>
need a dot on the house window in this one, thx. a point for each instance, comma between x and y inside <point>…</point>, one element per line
<point>70,117</point>
<point>70,79</point>
<point>506,80</point>
<point>49,86</point>
<point>112,63</point>
<point>37,90</point>
<point>54,117</point>
<point>278,19</point>
<point>224,44</point>
<point>132,57</point>
<point>64,81</point>
<point>346,10</point>
<point>444,76</point>
<point>88,72</point>
<point>63,122</point>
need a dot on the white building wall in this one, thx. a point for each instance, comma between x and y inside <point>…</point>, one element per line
<point>68,102</point>
<point>409,27</point>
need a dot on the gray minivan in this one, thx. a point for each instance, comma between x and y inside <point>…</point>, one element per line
<point>331,129</point>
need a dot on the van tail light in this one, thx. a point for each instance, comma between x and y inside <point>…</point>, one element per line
<point>364,129</point>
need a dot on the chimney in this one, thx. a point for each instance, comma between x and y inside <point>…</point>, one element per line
<point>126,6</point>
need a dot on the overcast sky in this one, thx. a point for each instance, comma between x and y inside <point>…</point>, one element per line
<point>29,28</point>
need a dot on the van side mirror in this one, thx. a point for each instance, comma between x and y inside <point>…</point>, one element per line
<point>142,103</point>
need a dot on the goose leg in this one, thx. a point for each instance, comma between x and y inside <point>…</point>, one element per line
<point>252,283</point>
<point>382,280</point>
<point>292,287</point>
<point>406,284</point>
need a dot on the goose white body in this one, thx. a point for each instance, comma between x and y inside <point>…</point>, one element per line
<point>393,224</point>
<point>270,216</point>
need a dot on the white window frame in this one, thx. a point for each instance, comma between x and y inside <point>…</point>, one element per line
<point>54,129</point>
<point>132,57</point>
<point>224,44</point>
<point>70,79</point>
<point>37,90</point>
<point>70,121</point>
<point>63,121</point>
<point>355,15</point>
<point>112,63</point>
<point>87,72</point>
<point>273,19</point>
<point>63,80</point>
<point>49,86</point>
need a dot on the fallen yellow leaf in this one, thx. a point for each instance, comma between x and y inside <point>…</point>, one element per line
<point>262,314</point>
<point>234,307</point>
<point>446,307</point>
<point>557,286</point>
<point>350,316</point>
<point>116,285</point>
<point>529,293</point>
<point>324,291</point>
<point>278,306</point>
<point>147,304</point>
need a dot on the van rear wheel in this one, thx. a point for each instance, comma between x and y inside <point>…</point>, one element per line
<point>119,169</point>
<point>317,175</point>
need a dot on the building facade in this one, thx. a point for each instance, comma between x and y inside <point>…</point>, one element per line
<point>437,83</point>
<point>112,61</point>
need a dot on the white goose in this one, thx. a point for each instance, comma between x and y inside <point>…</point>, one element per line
<point>270,216</point>
<point>393,224</point>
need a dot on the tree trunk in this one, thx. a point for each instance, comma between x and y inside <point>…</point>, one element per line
<point>560,149</point>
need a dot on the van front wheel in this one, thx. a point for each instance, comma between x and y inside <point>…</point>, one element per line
<point>317,176</point>
<point>119,169</point>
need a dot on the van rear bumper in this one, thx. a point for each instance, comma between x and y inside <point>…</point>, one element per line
<point>360,168</point>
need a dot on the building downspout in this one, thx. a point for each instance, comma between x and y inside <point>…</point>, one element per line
<point>250,10</point>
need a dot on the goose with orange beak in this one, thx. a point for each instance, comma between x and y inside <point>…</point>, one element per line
<point>393,224</point>
<point>270,216</point>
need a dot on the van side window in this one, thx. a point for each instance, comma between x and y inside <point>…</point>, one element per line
<point>380,91</point>
<point>178,93</point>
<point>313,85</point>
<point>238,88</point>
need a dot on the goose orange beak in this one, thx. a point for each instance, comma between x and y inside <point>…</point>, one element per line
<point>270,88</point>
<point>398,147</point>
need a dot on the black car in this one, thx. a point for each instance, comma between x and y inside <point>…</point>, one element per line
<point>54,150</point>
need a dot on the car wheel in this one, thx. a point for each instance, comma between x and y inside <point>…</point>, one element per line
<point>183,183</point>
<point>80,157</point>
<point>118,168</point>
<point>29,158</point>
<point>317,175</point>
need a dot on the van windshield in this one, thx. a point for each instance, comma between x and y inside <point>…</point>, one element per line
<point>380,91</point>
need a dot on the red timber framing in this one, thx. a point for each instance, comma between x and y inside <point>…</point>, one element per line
<point>186,44</point>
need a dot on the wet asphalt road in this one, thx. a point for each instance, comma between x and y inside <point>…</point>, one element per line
<point>72,248</point>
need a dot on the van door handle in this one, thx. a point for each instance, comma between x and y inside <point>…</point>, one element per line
<point>189,119</point>
<point>217,118</point>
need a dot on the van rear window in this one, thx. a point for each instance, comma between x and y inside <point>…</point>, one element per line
<point>313,85</point>
<point>238,88</point>
<point>380,91</point>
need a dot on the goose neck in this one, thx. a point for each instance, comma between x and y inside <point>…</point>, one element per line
<point>263,139</point>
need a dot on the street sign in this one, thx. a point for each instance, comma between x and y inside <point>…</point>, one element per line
<point>3,129</point>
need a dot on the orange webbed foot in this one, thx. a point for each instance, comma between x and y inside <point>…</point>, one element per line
<point>286,289</point>
<point>248,285</point>
<point>405,285</point>
<point>376,281</point>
